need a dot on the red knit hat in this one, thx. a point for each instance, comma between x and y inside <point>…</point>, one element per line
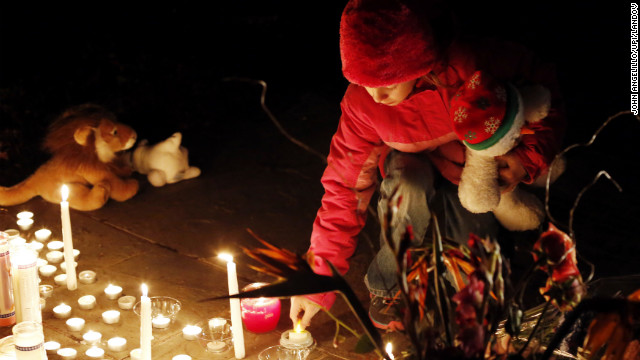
<point>486,114</point>
<point>385,42</point>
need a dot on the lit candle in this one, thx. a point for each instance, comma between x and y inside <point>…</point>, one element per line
<point>67,353</point>
<point>63,266</point>
<point>62,311</point>
<point>55,245</point>
<point>45,291</point>
<point>25,224</point>
<point>236,317</point>
<point>126,302</point>
<point>47,270</point>
<point>117,344</point>
<point>216,325</point>
<point>389,350</point>
<point>87,302</point>
<point>191,332</point>
<point>145,325</point>
<point>216,346</point>
<point>40,262</point>
<point>136,354</point>
<point>54,257</point>
<point>25,215</point>
<point>87,277</point>
<point>299,336</point>
<point>51,347</point>
<point>75,324</point>
<point>113,291</point>
<point>259,315</point>
<point>60,279</point>
<point>111,316</point>
<point>42,235</point>
<point>94,353</point>
<point>72,281</point>
<point>76,254</point>
<point>35,246</point>
<point>181,357</point>
<point>92,337</point>
<point>161,322</point>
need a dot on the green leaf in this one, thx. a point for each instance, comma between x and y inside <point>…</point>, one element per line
<point>364,345</point>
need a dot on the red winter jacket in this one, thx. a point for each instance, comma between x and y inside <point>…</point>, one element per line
<point>368,130</point>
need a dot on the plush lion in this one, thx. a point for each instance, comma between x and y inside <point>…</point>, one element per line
<point>85,143</point>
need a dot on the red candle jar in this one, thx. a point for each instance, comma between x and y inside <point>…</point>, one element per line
<point>259,315</point>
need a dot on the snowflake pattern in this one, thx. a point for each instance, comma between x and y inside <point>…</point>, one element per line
<point>491,125</point>
<point>460,114</point>
<point>501,93</point>
<point>474,81</point>
<point>470,135</point>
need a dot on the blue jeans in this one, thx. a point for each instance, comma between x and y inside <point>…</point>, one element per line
<point>423,193</point>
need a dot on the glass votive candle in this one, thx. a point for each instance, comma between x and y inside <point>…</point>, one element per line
<point>160,322</point>
<point>67,353</point>
<point>87,277</point>
<point>25,224</point>
<point>259,315</point>
<point>25,215</point>
<point>42,235</point>
<point>181,357</point>
<point>92,337</point>
<point>87,302</point>
<point>55,256</point>
<point>75,324</point>
<point>94,353</point>
<point>63,266</point>
<point>45,291</point>
<point>47,270</point>
<point>60,279</point>
<point>191,332</point>
<point>35,246</point>
<point>62,311</point>
<point>29,341</point>
<point>111,316</point>
<point>126,302</point>
<point>55,245</point>
<point>51,347</point>
<point>113,291</point>
<point>117,344</point>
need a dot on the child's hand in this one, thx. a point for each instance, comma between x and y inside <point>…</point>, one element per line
<point>300,304</point>
<point>510,171</point>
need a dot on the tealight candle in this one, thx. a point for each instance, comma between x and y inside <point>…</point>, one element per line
<point>298,337</point>
<point>67,353</point>
<point>135,354</point>
<point>35,246</point>
<point>62,311</point>
<point>41,262</point>
<point>87,277</point>
<point>87,302</point>
<point>191,332</point>
<point>63,266</point>
<point>47,270</point>
<point>76,254</point>
<point>25,215</point>
<point>94,353</point>
<point>12,233</point>
<point>60,279</point>
<point>92,337</point>
<point>216,346</point>
<point>126,302</point>
<point>75,324</point>
<point>55,245</point>
<point>160,322</point>
<point>117,344</point>
<point>42,235</point>
<point>216,325</point>
<point>113,291</point>
<point>43,303</point>
<point>111,316</point>
<point>181,357</point>
<point>54,257</point>
<point>51,347</point>
<point>25,224</point>
<point>45,291</point>
<point>17,241</point>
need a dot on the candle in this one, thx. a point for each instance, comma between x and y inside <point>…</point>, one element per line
<point>259,315</point>
<point>92,337</point>
<point>63,266</point>
<point>94,353</point>
<point>55,245</point>
<point>62,311</point>
<point>117,344</point>
<point>60,279</point>
<point>75,324</point>
<point>136,354</point>
<point>45,291</point>
<point>25,215</point>
<point>67,353</point>
<point>7,306</point>
<point>42,235</point>
<point>113,291</point>
<point>47,270</point>
<point>389,350</point>
<point>29,341</point>
<point>54,257</point>
<point>35,246</point>
<point>76,254</point>
<point>216,325</point>
<point>72,283</point>
<point>236,317</point>
<point>160,322</point>
<point>126,302</point>
<point>24,276</point>
<point>298,336</point>
<point>191,332</point>
<point>25,224</point>
<point>145,325</point>
<point>51,347</point>
<point>181,357</point>
<point>111,316</point>
<point>216,346</point>
<point>43,303</point>
<point>39,262</point>
<point>87,277</point>
<point>87,302</point>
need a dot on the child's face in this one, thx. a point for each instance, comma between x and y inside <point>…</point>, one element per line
<point>391,95</point>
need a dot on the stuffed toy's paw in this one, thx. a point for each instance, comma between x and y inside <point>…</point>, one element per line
<point>165,162</point>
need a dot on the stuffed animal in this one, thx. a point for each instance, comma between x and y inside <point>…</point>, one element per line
<point>85,143</point>
<point>489,116</point>
<point>165,162</point>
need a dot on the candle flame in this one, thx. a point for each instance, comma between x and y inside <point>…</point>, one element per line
<point>298,328</point>
<point>225,257</point>
<point>64,192</point>
<point>389,350</point>
<point>145,290</point>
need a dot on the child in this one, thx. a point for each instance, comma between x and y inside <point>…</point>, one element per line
<point>404,67</point>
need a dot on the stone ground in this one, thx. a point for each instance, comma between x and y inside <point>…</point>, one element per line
<point>161,71</point>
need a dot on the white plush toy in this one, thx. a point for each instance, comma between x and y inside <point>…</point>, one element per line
<point>489,116</point>
<point>165,162</point>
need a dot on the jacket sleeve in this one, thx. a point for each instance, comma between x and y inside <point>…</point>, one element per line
<point>349,182</point>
